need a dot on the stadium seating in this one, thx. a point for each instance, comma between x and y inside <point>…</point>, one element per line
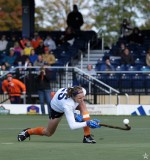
<point>113,80</point>
<point>138,84</point>
<point>103,77</point>
<point>125,83</point>
<point>115,61</point>
<point>147,83</point>
<point>139,62</point>
<point>121,68</point>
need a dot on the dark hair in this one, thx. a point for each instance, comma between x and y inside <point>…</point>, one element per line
<point>73,91</point>
<point>106,57</point>
<point>75,7</point>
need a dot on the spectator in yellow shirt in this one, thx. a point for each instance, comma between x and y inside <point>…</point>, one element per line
<point>49,57</point>
<point>28,48</point>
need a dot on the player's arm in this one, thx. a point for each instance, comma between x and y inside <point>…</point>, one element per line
<point>75,125</point>
<point>71,119</point>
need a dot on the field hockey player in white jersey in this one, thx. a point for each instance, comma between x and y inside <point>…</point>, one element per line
<point>65,102</point>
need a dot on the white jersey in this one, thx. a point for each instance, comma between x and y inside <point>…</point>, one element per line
<point>62,104</point>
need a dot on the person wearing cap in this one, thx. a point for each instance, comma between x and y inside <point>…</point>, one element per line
<point>49,57</point>
<point>65,102</point>
<point>14,88</point>
<point>9,60</point>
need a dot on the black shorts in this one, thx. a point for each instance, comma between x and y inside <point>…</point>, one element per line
<point>53,114</point>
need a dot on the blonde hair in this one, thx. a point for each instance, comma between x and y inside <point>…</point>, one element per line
<point>73,91</point>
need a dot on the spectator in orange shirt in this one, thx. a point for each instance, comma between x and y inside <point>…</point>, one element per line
<point>14,88</point>
<point>23,42</point>
<point>36,40</point>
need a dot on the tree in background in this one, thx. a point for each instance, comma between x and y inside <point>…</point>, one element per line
<point>10,15</point>
<point>110,13</point>
<point>53,14</point>
<point>103,15</point>
<point>146,14</point>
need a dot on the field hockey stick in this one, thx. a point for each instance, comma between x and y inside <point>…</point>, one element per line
<point>126,128</point>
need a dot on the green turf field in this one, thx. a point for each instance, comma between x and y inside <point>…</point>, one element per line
<point>67,145</point>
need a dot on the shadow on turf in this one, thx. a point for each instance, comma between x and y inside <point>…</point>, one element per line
<point>56,141</point>
<point>51,141</point>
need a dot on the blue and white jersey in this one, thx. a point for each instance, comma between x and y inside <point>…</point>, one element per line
<point>63,104</point>
<point>60,101</point>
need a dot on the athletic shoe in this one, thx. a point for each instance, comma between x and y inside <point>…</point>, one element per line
<point>23,135</point>
<point>88,139</point>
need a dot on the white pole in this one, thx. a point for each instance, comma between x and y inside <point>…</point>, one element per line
<point>127,98</point>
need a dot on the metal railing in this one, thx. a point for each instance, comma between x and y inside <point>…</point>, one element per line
<point>62,77</point>
<point>101,89</point>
